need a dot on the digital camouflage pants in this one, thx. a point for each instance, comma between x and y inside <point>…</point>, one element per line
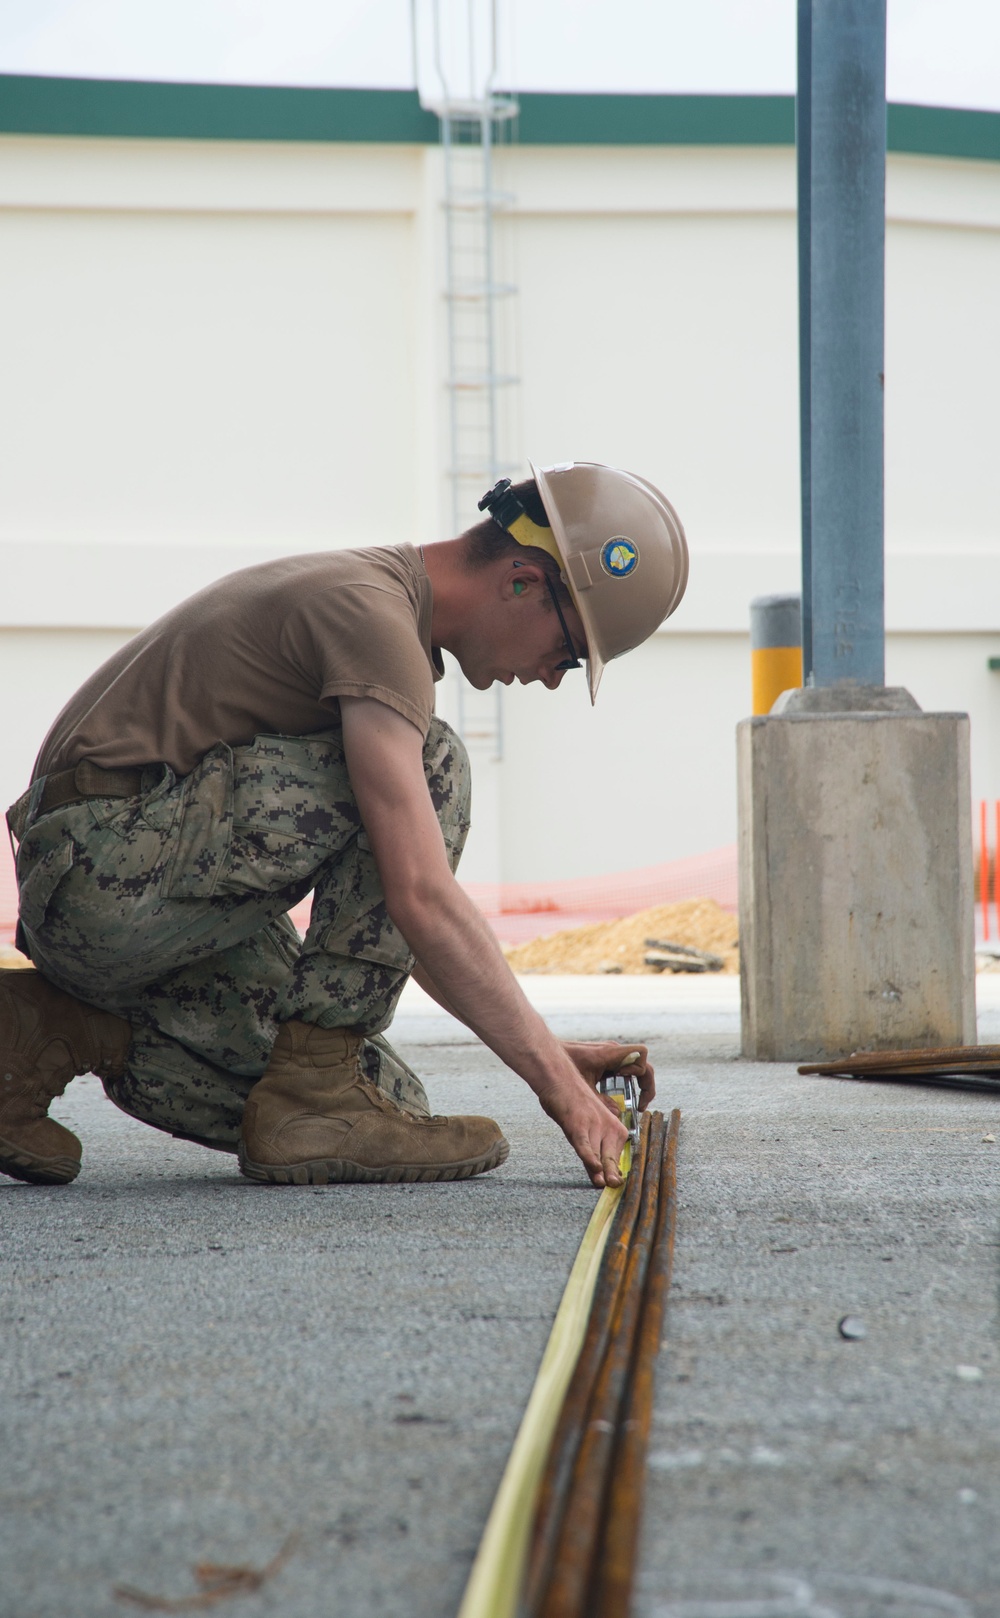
<point>171,910</point>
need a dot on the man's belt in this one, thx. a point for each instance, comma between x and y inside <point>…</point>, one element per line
<point>85,780</point>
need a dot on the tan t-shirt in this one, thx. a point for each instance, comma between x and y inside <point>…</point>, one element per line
<point>265,651</point>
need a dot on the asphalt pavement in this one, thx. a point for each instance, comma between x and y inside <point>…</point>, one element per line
<point>200,1370</point>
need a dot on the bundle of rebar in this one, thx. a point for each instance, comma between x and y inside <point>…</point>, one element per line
<point>953,1067</point>
<point>588,1511</point>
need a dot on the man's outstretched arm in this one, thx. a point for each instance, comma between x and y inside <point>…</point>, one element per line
<point>595,1059</point>
<point>450,938</point>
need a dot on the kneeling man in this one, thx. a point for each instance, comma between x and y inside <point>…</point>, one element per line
<point>275,736</point>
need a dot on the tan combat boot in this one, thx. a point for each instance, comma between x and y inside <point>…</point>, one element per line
<point>313,1119</point>
<point>46,1039</point>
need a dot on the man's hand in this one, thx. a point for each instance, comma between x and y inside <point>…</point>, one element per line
<point>593,1128</point>
<point>601,1058</point>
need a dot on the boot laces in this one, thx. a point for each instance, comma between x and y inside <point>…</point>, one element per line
<point>107,1067</point>
<point>106,1061</point>
<point>382,1101</point>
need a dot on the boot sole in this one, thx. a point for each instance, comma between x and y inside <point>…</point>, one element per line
<point>341,1171</point>
<point>21,1165</point>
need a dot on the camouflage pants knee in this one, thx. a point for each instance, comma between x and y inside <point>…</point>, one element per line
<point>171,910</point>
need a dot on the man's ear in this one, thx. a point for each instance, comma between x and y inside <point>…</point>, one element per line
<point>522,578</point>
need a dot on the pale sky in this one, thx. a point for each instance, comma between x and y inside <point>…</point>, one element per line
<point>940,52</point>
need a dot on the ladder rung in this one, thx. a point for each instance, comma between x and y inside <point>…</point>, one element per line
<point>479,382</point>
<point>479,291</point>
<point>463,200</point>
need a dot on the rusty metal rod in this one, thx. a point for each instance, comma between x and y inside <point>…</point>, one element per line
<point>579,1537</point>
<point>550,1504</point>
<point>947,1057</point>
<point>615,1562</point>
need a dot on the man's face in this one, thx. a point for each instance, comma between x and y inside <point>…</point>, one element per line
<point>520,636</point>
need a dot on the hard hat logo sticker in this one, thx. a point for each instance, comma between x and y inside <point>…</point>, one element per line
<point>619,557</point>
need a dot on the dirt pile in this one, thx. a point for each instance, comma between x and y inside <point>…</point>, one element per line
<point>619,946</point>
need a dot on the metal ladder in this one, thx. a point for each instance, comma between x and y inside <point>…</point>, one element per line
<point>479,377</point>
<point>476,380</point>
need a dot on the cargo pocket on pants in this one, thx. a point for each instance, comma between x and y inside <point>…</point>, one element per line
<point>37,885</point>
<point>204,829</point>
<point>361,929</point>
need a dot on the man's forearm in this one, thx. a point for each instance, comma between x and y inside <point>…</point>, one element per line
<point>422,977</point>
<point>463,968</point>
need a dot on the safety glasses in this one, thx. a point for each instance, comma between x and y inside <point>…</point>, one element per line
<point>572,661</point>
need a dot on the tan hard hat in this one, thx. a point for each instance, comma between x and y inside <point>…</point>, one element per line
<point>622,551</point>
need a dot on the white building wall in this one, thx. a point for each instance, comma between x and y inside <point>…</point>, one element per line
<point>39,671</point>
<point>215,353</point>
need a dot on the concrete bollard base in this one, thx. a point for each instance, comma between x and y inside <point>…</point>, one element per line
<point>856,890</point>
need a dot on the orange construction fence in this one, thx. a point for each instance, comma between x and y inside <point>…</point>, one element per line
<point>521,910</point>
<point>986,872</point>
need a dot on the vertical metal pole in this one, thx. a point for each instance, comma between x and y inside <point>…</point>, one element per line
<point>803,159</point>
<point>845,309</point>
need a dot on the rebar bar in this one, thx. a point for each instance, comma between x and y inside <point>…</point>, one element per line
<point>617,1553</point>
<point>569,1432</point>
<point>580,1534</point>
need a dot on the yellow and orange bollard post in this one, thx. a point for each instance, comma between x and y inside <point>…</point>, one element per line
<point>775,648</point>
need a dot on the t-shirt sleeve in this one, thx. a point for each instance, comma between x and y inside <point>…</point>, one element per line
<point>362,640</point>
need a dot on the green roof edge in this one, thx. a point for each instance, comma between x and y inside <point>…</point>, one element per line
<point>131,108</point>
<point>35,105</point>
<point>553,119</point>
